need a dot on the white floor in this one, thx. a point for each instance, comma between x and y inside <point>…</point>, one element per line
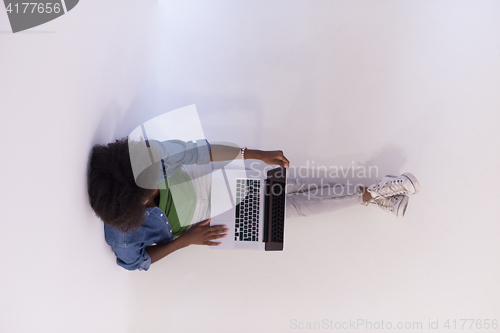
<point>403,86</point>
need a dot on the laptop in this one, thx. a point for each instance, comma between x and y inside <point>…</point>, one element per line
<point>251,203</point>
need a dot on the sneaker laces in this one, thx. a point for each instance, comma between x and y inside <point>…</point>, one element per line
<point>392,187</point>
<point>386,204</point>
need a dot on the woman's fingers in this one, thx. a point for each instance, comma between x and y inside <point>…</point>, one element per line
<point>217,227</point>
<point>218,231</point>
<point>217,236</point>
<point>212,243</point>
<point>282,161</point>
<point>285,162</point>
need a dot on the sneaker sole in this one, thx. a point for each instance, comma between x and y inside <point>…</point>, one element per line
<point>413,180</point>
<point>402,207</point>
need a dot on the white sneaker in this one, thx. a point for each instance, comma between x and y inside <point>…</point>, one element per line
<point>396,204</point>
<point>406,184</point>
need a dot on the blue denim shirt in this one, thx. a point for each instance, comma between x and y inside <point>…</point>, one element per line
<point>130,247</point>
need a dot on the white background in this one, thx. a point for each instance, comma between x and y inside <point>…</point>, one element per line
<point>402,85</point>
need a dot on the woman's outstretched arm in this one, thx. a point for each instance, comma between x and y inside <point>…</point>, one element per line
<point>225,152</point>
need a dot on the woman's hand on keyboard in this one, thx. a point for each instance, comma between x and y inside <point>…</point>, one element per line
<point>203,234</point>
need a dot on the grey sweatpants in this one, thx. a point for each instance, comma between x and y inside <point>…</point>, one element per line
<point>310,196</point>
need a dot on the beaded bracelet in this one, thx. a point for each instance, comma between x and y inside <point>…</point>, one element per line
<point>243,153</point>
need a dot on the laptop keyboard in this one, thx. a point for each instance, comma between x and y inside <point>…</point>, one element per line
<point>247,211</point>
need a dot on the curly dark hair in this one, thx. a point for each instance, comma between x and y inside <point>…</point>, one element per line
<point>114,195</point>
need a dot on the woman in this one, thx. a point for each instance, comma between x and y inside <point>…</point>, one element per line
<point>142,225</point>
